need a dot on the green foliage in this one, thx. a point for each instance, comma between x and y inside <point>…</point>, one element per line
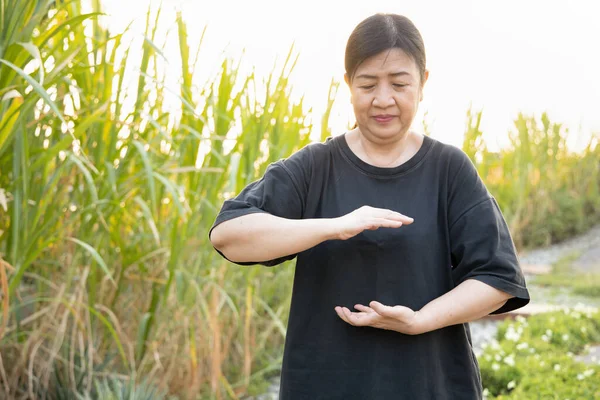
<point>109,199</point>
<point>546,192</point>
<point>535,357</point>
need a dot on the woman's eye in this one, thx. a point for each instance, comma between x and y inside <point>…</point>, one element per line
<point>399,85</point>
<point>367,87</point>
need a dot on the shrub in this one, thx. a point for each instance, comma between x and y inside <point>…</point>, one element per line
<point>535,358</point>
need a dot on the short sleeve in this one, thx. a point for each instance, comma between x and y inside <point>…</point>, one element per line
<point>481,245</point>
<point>281,192</point>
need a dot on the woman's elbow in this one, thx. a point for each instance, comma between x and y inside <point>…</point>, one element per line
<point>217,238</point>
<point>222,241</point>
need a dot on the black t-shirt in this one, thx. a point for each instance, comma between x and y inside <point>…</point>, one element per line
<point>459,233</point>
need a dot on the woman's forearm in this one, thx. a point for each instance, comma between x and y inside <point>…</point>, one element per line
<point>467,302</point>
<point>261,236</point>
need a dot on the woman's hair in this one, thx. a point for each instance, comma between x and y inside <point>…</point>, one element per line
<point>382,32</point>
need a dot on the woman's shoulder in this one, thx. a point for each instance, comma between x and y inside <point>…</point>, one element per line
<point>311,154</point>
<point>447,149</point>
<point>451,156</point>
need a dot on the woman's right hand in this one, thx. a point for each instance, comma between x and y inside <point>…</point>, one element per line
<point>370,218</point>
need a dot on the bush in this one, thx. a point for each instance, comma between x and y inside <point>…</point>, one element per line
<point>535,358</point>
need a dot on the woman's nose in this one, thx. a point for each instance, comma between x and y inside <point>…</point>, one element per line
<point>383,97</point>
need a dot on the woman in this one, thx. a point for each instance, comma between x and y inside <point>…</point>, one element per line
<point>396,225</point>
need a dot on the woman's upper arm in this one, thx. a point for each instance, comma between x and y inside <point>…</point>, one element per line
<point>281,191</point>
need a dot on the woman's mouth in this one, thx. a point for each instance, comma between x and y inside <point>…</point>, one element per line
<point>383,118</point>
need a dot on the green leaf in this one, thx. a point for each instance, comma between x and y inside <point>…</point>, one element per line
<point>173,191</point>
<point>37,87</point>
<point>86,174</point>
<point>35,53</point>
<point>149,174</point>
<point>92,251</point>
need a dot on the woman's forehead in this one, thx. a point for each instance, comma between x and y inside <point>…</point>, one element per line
<point>393,62</point>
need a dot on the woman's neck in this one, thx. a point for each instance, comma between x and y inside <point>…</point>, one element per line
<point>390,154</point>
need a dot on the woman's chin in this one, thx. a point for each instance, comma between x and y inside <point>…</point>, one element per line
<point>385,132</point>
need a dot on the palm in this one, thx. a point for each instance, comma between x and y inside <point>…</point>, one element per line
<point>397,318</point>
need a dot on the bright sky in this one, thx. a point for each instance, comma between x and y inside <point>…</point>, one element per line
<point>500,56</point>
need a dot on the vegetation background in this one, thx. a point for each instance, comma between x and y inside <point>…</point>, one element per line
<point>109,284</point>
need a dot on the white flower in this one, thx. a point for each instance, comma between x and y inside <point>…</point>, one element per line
<point>512,334</point>
<point>495,366</point>
<point>545,338</point>
<point>557,367</point>
<point>497,358</point>
<point>486,392</point>
<point>510,360</point>
<point>522,346</point>
<point>549,332</point>
<point>565,337</point>
<point>588,372</point>
<point>583,329</point>
<point>511,385</point>
<point>580,377</point>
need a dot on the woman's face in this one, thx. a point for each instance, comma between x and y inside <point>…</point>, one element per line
<point>386,90</point>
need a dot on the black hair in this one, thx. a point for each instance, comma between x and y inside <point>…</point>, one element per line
<point>382,32</point>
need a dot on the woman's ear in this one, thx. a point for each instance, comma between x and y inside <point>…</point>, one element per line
<point>425,77</point>
<point>347,80</point>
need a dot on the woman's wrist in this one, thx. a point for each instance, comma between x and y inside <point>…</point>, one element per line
<point>328,228</point>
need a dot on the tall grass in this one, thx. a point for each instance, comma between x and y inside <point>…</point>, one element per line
<point>104,235</point>
<point>546,192</point>
<point>106,197</point>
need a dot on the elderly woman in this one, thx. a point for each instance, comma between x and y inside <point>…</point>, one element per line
<point>398,242</point>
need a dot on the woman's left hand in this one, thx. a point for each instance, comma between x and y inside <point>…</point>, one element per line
<point>397,318</point>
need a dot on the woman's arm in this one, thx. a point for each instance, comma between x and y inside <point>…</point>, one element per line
<point>467,302</point>
<point>262,236</point>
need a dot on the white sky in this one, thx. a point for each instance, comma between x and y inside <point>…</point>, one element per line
<point>503,56</point>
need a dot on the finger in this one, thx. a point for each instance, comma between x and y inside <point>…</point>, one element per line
<point>385,223</point>
<point>338,311</point>
<point>380,309</point>
<point>362,308</point>
<point>396,216</point>
<point>406,220</point>
<point>350,317</point>
<point>342,316</point>
<point>359,319</point>
<point>400,218</point>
